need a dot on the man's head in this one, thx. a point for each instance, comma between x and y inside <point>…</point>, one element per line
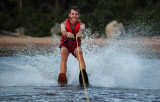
<point>74,13</point>
<point>74,8</point>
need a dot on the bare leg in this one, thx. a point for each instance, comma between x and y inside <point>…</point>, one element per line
<point>63,66</point>
<point>82,80</point>
<point>79,55</point>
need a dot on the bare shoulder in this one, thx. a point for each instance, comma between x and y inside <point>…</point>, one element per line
<point>63,23</point>
<point>82,25</point>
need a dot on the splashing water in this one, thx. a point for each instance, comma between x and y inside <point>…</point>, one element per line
<point>108,66</point>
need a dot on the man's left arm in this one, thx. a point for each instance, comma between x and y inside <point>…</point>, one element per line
<point>81,30</point>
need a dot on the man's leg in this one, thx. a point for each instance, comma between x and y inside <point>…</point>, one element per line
<point>62,79</point>
<point>64,54</point>
<point>82,66</point>
<point>79,55</point>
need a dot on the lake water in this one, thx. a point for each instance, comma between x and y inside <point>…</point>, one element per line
<point>115,73</point>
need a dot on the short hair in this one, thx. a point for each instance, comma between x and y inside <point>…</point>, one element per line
<point>74,8</point>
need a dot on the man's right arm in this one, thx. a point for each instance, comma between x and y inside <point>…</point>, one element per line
<point>63,30</point>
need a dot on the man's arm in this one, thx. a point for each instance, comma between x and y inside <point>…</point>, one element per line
<point>63,30</point>
<point>81,30</point>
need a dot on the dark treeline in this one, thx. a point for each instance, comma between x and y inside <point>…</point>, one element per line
<point>38,16</point>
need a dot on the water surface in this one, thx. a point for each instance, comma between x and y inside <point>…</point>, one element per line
<point>115,74</point>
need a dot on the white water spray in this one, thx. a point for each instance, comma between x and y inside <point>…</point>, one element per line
<point>108,66</point>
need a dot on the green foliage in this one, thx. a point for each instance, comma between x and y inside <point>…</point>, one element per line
<point>38,16</point>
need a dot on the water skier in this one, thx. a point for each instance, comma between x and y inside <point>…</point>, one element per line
<point>71,32</point>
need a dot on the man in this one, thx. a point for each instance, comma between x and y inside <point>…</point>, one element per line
<point>72,29</point>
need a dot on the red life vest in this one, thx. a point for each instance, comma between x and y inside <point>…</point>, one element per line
<point>71,41</point>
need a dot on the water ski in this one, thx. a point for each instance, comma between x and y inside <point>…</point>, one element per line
<point>85,78</point>
<point>62,79</point>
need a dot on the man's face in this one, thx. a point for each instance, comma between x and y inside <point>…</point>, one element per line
<point>74,15</point>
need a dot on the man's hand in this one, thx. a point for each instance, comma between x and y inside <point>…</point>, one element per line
<point>78,35</point>
<point>70,35</point>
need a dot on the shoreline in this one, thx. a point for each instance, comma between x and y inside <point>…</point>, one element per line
<point>9,44</point>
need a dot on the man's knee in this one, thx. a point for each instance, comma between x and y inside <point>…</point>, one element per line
<point>79,52</point>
